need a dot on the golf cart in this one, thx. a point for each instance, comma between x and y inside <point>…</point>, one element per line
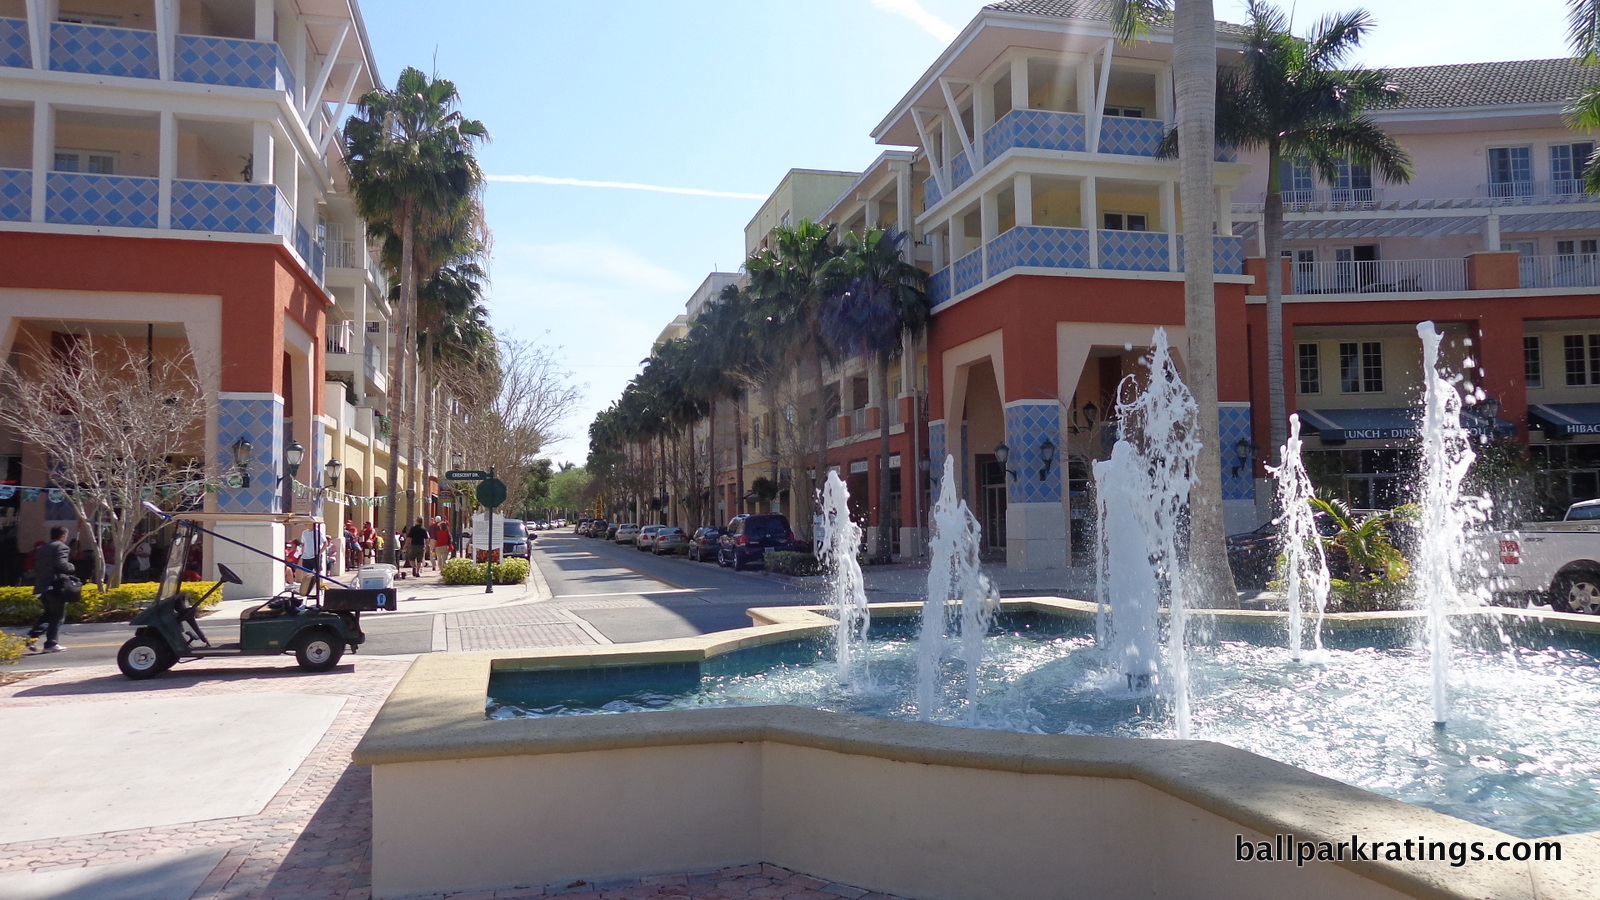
<point>169,631</point>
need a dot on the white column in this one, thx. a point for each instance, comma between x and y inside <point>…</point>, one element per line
<point>1022,188</point>
<point>982,118</point>
<point>286,175</point>
<point>988,225</point>
<point>1224,212</point>
<point>1491,231</point>
<point>937,242</point>
<point>902,199</point>
<point>294,47</point>
<point>44,154</point>
<point>872,210</point>
<point>1169,223</point>
<point>261,153</point>
<point>264,23</point>
<point>166,168</point>
<point>166,26</point>
<point>1164,97</point>
<point>1019,83</point>
<point>39,32</point>
<point>1088,211</point>
<point>958,237</point>
<point>1086,84</point>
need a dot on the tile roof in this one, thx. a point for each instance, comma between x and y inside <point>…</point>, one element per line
<point>1098,10</point>
<point>1494,83</point>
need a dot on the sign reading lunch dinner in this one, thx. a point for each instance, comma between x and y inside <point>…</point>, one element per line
<point>1377,434</point>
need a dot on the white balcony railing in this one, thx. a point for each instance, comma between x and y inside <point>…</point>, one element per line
<point>340,336</point>
<point>858,421</point>
<point>1571,270</point>
<point>342,255</point>
<point>1379,276</point>
<point>1567,190</point>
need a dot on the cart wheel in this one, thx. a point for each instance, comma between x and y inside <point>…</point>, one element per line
<point>145,657</point>
<point>318,651</point>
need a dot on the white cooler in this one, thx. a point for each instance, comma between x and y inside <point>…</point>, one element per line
<point>377,576</point>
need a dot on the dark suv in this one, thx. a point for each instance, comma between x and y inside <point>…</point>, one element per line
<point>748,538</point>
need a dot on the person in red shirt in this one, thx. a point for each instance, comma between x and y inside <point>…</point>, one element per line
<point>443,547</point>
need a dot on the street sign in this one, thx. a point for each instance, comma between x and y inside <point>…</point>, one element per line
<point>491,492</point>
<point>466,475</point>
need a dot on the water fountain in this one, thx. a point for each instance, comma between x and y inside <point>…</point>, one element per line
<point>1305,570</point>
<point>959,596</point>
<point>847,597</point>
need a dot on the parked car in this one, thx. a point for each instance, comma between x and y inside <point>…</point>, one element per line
<point>1253,555</point>
<point>610,532</point>
<point>597,528</point>
<point>582,526</point>
<point>647,536</point>
<point>703,545</point>
<point>1550,562</point>
<point>668,540</point>
<point>515,538</point>
<point>626,533</point>
<point>747,539</point>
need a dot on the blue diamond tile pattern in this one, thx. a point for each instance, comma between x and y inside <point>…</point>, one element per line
<point>319,453</point>
<point>78,198</point>
<point>1233,425</point>
<point>1134,251</point>
<point>960,170</point>
<point>1131,137</point>
<point>201,59</point>
<point>310,251</point>
<point>969,271</point>
<point>939,286</point>
<point>258,420</point>
<point>14,44</point>
<point>224,206</point>
<point>103,50</point>
<point>16,195</point>
<point>936,455</point>
<point>1039,247</point>
<point>1227,254</point>
<point>1035,129</point>
<point>930,193</point>
<point>1028,426</point>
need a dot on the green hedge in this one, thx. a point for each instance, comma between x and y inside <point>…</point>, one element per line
<point>18,606</point>
<point>1361,596</point>
<point>465,571</point>
<point>788,562</point>
<point>11,649</point>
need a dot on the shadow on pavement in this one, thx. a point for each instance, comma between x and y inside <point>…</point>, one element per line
<point>176,680</point>
<point>332,858</point>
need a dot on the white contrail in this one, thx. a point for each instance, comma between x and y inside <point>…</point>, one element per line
<point>623,185</point>
<point>925,20</point>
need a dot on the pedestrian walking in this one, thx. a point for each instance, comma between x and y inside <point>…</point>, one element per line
<point>55,585</point>
<point>443,547</point>
<point>311,546</point>
<point>416,546</point>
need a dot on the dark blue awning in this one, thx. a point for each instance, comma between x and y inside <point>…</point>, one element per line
<point>1565,419</point>
<point>1384,424</point>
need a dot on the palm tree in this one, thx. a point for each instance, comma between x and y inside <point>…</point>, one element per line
<point>1291,96</point>
<point>1583,35</point>
<point>880,299</point>
<point>718,337</point>
<point>1194,70</point>
<point>409,153</point>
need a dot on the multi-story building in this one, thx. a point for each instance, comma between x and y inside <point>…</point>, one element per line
<point>1035,196</point>
<point>178,166</point>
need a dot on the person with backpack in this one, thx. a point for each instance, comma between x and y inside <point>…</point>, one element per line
<point>56,585</point>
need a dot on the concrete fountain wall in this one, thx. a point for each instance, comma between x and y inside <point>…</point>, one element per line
<point>461,802</point>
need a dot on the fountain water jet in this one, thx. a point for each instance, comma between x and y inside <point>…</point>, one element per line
<point>847,596</point>
<point>1145,490</point>
<point>1306,565</point>
<point>958,592</point>
<point>1447,517</point>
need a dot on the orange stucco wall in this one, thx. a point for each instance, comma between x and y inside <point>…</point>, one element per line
<point>261,286</point>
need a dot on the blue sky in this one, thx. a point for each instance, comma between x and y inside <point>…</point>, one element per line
<point>722,97</point>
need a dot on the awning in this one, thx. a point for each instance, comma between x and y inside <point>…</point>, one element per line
<point>1565,419</point>
<point>1384,424</point>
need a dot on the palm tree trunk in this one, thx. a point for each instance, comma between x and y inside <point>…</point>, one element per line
<point>711,464</point>
<point>397,390</point>
<point>1195,71</point>
<point>738,458</point>
<point>881,372</point>
<point>1272,231</point>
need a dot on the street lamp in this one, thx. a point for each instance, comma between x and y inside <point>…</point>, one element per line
<point>241,461</point>
<point>331,470</point>
<point>292,457</point>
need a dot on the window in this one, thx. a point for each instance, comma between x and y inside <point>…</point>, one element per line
<point>1567,162</point>
<point>1584,247</point>
<point>97,162</point>
<point>1126,112</point>
<point>1361,367</point>
<point>1532,364</point>
<point>1510,171</point>
<point>1582,353</point>
<point>1354,184</point>
<point>1116,221</point>
<point>1297,182</point>
<point>1303,271</point>
<point>1309,357</point>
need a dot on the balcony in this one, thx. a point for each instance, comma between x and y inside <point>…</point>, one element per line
<point>1035,129</point>
<point>858,421</point>
<point>1569,190</point>
<point>14,44</point>
<point>16,195</point>
<point>310,251</point>
<point>341,255</point>
<point>231,62</point>
<point>229,207</point>
<point>1131,137</point>
<point>1572,270</point>
<point>1049,247</point>
<point>79,198</point>
<point>103,50</point>
<point>1379,276</point>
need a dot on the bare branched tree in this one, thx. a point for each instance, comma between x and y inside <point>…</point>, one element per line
<point>117,425</point>
<point>511,411</point>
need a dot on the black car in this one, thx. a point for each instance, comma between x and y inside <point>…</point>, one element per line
<point>705,543</point>
<point>747,539</point>
<point>1253,555</point>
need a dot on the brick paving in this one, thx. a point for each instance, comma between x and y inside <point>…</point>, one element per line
<point>312,841</point>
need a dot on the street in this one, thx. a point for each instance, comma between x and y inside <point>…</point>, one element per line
<point>598,592</point>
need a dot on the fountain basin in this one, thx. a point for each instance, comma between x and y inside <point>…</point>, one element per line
<point>462,802</point>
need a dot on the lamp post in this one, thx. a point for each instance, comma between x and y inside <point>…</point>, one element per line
<point>241,461</point>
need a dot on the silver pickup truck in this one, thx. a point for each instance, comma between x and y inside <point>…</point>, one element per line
<point>1558,562</point>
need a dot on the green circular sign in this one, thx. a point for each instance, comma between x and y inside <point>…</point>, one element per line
<point>491,493</point>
